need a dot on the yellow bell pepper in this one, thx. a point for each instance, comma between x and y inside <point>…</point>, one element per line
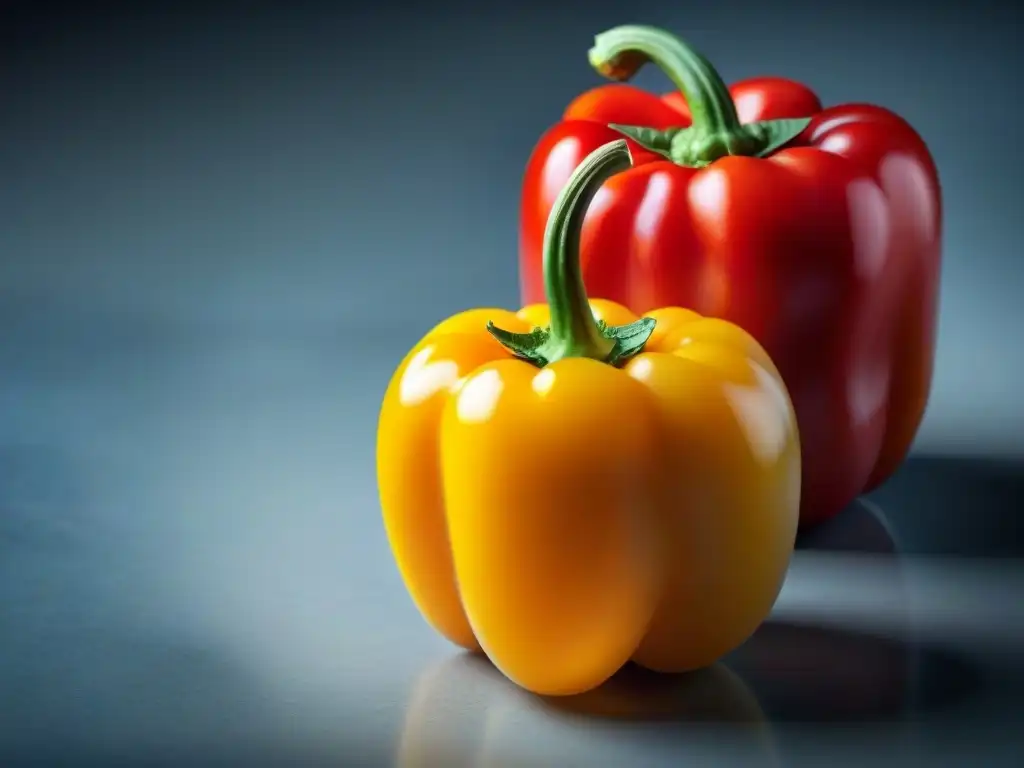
<point>570,488</point>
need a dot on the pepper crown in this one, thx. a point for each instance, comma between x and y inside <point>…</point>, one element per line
<point>715,130</point>
<point>574,331</point>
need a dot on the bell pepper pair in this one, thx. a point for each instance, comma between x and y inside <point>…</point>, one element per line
<point>572,486</point>
<point>591,481</point>
<point>818,231</point>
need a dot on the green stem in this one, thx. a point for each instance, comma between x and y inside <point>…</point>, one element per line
<point>620,52</point>
<point>573,326</point>
<point>715,130</point>
<point>574,332</point>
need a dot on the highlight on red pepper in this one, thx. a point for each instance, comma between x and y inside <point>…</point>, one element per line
<point>816,230</point>
<point>572,486</point>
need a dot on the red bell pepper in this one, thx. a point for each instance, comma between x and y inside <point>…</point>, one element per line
<point>816,230</point>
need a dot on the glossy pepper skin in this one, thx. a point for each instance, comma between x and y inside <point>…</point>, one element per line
<point>570,486</point>
<point>819,236</point>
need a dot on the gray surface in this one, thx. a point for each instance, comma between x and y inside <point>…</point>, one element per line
<point>192,564</point>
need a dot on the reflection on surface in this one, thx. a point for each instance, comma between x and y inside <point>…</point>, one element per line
<point>861,527</point>
<point>463,712</point>
<point>447,712</point>
<point>847,571</point>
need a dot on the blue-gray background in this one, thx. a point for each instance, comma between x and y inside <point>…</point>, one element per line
<point>221,227</point>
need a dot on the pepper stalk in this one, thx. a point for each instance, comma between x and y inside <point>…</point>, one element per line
<point>574,331</point>
<point>715,130</point>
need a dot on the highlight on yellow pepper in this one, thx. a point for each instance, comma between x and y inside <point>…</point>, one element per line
<point>570,487</point>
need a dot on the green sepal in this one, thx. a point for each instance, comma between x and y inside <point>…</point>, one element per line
<point>526,346</point>
<point>651,139</point>
<point>694,148</point>
<point>629,339</point>
<point>777,133</point>
<point>536,346</point>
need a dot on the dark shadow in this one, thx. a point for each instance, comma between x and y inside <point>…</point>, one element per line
<point>790,672</point>
<point>815,674</point>
<point>943,505</point>
<point>809,670</point>
<point>712,695</point>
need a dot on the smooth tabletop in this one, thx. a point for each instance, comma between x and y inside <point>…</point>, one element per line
<point>193,571</point>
